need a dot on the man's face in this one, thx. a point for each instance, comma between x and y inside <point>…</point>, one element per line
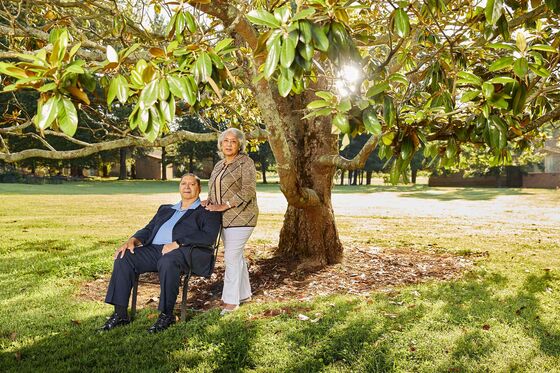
<point>189,188</point>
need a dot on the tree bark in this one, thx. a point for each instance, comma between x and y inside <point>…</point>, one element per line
<point>368,177</point>
<point>309,233</point>
<point>163,164</point>
<point>122,164</point>
<point>263,170</point>
<point>413,174</point>
<point>342,172</point>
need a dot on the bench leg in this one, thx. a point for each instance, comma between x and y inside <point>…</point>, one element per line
<point>134,296</point>
<point>186,279</point>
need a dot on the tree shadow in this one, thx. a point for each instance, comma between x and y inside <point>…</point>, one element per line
<point>80,347</point>
<point>467,194</point>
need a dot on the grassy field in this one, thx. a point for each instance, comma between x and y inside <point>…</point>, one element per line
<point>501,316</point>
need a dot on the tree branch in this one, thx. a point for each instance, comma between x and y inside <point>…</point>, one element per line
<point>109,145</point>
<point>357,162</point>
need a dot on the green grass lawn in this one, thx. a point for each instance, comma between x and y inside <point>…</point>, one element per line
<point>501,316</point>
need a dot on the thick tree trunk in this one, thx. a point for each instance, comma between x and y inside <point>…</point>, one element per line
<point>414,173</point>
<point>342,177</point>
<point>122,164</point>
<point>309,234</point>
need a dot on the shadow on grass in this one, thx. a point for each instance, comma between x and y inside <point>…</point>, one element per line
<point>467,194</point>
<point>81,347</point>
<point>110,188</point>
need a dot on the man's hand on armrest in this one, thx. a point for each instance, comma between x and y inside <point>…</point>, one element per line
<point>128,245</point>
<point>168,247</point>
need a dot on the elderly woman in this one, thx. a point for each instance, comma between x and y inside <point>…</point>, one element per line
<point>232,189</point>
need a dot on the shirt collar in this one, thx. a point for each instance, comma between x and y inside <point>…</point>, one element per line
<point>193,205</point>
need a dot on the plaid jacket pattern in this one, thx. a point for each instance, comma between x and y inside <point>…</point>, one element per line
<point>238,187</point>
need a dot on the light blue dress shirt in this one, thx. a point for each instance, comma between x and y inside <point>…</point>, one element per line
<point>165,232</point>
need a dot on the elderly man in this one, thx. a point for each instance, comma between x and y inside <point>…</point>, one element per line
<point>162,246</point>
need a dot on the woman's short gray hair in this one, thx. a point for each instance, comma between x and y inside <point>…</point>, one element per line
<point>240,137</point>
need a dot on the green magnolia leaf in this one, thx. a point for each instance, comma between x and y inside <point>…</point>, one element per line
<point>165,110</point>
<point>67,116</point>
<point>222,44</point>
<point>202,68</point>
<point>317,104</point>
<point>149,95</point>
<point>305,33</point>
<point>282,14</point>
<point>59,48</point>
<point>502,80</point>
<point>191,23</point>
<point>73,50</point>
<point>172,107</point>
<point>503,27</point>
<point>377,89</point>
<point>398,78</point>
<point>501,63</point>
<point>341,122</point>
<point>407,149</point>
<point>191,89</point>
<point>306,51</point>
<point>44,88</point>
<point>521,67</point>
<point>47,112</point>
<point>502,46</point>
<point>388,138</point>
<point>180,23</point>
<point>285,83</point>
<point>303,14</point>
<point>519,98</point>
<point>122,89</point>
<point>493,10</point>
<point>74,68</point>
<point>272,59</point>
<point>288,51</point>
<point>469,96</point>
<point>487,89</point>
<point>163,89</point>
<point>544,48</point>
<point>327,96</point>
<point>263,18</point>
<point>133,118</point>
<point>389,114</point>
<point>521,41</point>
<point>539,70</point>
<point>320,39</point>
<point>401,24</point>
<point>345,105</point>
<point>468,78</point>
<point>143,119</point>
<point>371,122</point>
<point>176,87</point>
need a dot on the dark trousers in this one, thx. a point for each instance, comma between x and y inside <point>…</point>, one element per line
<point>148,259</point>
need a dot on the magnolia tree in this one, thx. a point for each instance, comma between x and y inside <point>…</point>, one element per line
<point>431,76</point>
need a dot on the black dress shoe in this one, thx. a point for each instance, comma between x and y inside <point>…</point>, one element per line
<point>163,322</point>
<point>114,321</point>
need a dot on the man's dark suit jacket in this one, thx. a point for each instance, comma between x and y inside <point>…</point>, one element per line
<point>198,226</point>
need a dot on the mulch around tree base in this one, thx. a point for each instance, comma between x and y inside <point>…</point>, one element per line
<point>363,270</point>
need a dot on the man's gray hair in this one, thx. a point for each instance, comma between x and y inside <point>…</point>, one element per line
<point>240,137</point>
<point>192,175</point>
